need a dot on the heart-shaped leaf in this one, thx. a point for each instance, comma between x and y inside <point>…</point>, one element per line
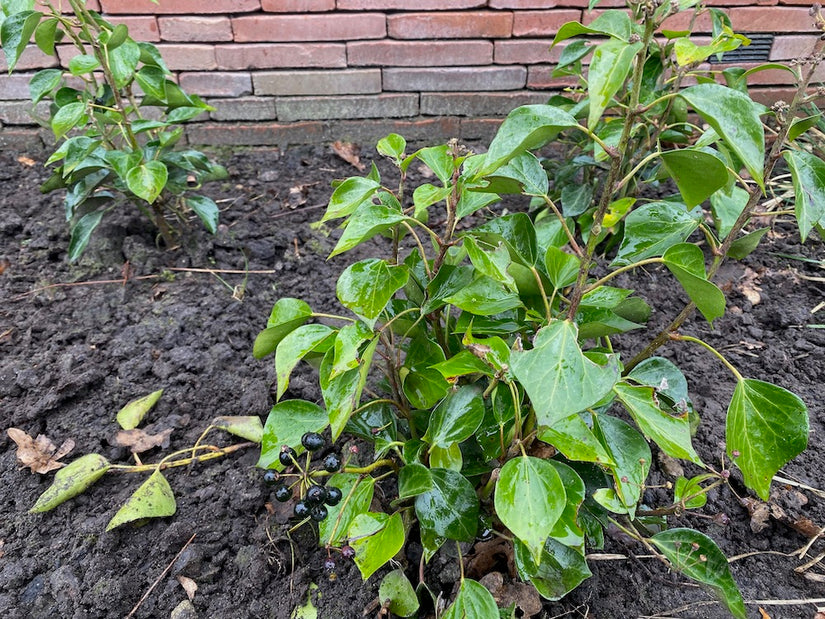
<point>153,499</point>
<point>286,424</point>
<point>147,180</point>
<point>367,286</point>
<point>286,316</point>
<point>450,508</point>
<point>376,539</point>
<point>357,495</point>
<point>687,263</point>
<point>473,601</point>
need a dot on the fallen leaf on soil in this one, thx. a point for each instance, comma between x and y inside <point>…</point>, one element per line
<point>139,440</point>
<point>487,555</point>
<point>39,454</point>
<point>26,161</point>
<point>189,585</point>
<point>763,614</point>
<point>820,615</point>
<point>524,596</point>
<point>748,286</point>
<point>670,466</point>
<point>349,152</point>
<point>297,196</point>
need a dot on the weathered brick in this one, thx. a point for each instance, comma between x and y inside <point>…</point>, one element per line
<point>243,108</point>
<point>31,58</point>
<point>252,28</point>
<point>16,140</point>
<point>281,55</point>
<point>141,27</point>
<point>540,4</point>
<point>419,53</point>
<point>450,25</point>
<point>15,86</point>
<point>40,5</point>
<point>297,83</point>
<point>404,5</point>
<point>330,108</point>
<point>195,28</point>
<point>179,7</point>
<point>769,96</point>
<point>531,51</point>
<point>478,103</point>
<point>215,84</point>
<point>778,19</point>
<point>539,77</point>
<point>297,6</point>
<point>257,134</point>
<point>428,130</point>
<point>20,112</point>
<point>788,47</point>
<point>194,57</point>
<point>725,3</point>
<point>462,79</point>
<point>542,23</point>
<point>479,129</point>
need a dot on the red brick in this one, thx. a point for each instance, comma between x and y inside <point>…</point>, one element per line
<point>216,84</point>
<point>531,51</point>
<point>296,83</point>
<point>404,5</point>
<point>542,23</point>
<point>541,78</point>
<point>450,25</point>
<point>788,47</point>
<point>419,53</point>
<point>725,3</point>
<point>461,79</point>
<point>141,27</point>
<point>429,130</point>
<point>180,57</point>
<point>180,7</point>
<point>31,58</point>
<point>15,86</point>
<point>297,6</point>
<point>193,28</point>
<point>537,4</point>
<point>281,55</point>
<point>308,27</point>
<point>754,19</point>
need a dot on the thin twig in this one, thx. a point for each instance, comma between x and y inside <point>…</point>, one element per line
<point>159,578</point>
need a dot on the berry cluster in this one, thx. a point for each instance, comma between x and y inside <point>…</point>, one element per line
<point>314,498</point>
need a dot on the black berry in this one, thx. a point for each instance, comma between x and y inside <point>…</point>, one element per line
<point>348,552</point>
<point>332,463</point>
<point>316,495</point>
<point>312,441</point>
<point>318,513</point>
<point>270,478</point>
<point>334,495</point>
<point>329,565</point>
<point>283,494</point>
<point>302,509</point>
<point>287,455</point>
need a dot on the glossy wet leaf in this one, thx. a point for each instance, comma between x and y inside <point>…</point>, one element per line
<point>462,364</point>
<point>71,480</point>
<point>560,569</point>
<point>768,426</point>
<point>456,417</point>
<point>357,496</point>
<point>366,221</point>
<point>687,263</point>
<point>526,128</point>
<point>46,34</point>
<point>557,376</point>
<point>83,63</point>
<point>367,286</point>
<point>285,425</point>
<point>609,69</point>
<point>516,231</point>
<point>654,227</point>
<point>414,479</point>
<point>147,180</point>
<point>562,268</point>
<point>698,557</point>
<point>733,116</point>
<point>206,210</point>
<point>82,233</point>
<point>286,316</point>
<point>474,601</point>
<point>392,146</point>
<point>631,453</point>
<point>349,195</point>
<point>153,499</point>
<point>376,539</point>
<point>612,23</point>
<point>666,379</point>
<point>690,492</point>
<point>67,118</point>
<point>491,261</point>
<point>342,393</point>
<point>130,416</point>
<point>439,160</point>
<point>576,199</point>
<point>567,529</point>
<point>529,499</point>
<point>747,244</point>
<point>398,591</point>
<point>294,347</point>
<point>574,438</point>
<point>15,33</point>
<point>123,61</point>
<point>808,174</point>
<point>484,297</point>
<point>346,349</point>
<point>726,207</point>
<point>423,385</point>
<point>450,508</point>
<point>525,170</point>
<point>447,457</point>
<point>670,432</point>
<point>697,173</point>
<point>245,426</point>
<point>43,83</point>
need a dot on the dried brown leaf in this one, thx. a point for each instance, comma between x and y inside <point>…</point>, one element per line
<point>139,440</point>
<point>26,161</point>
<point>763,614</point>
<point>189,585</point>
<point>297,196</point>
<point>39,454</point>
<point>349,152</point>
<point>671,466</point>
<point>748,286</point>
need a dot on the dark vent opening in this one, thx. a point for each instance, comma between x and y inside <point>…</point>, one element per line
<point>758,51</point>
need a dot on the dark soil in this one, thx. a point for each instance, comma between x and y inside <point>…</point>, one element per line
<point>72,355</point>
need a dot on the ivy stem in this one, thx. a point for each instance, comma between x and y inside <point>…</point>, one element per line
<point>571,238</point>
<point>621,270</point>
<point>420,249</point>
<point>548,313</point>
<point>214,452</point>
<point>681,506</point>
<point>689,338</point>
<point>638,167</point>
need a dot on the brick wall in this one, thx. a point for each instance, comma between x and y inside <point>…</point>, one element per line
<point>281,71</point>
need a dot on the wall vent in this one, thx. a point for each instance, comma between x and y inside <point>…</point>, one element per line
<point>758,51</point>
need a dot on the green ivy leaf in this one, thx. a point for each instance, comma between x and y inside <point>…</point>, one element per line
<point>357,493</point>
<point>666,379</point>
<point>45,35</point>
<point>484,297</point>
<point>609,68</point>
<point>82,232</point>
<point>130,416</point>
<point>287,315</point>
<point>685,488</point>
<point>526,170</point>
<point>376,538</point>
<point>43,83</point>
<point>450,508</point>
<point>397,593</point>
<point>652,228</point>
<point>123,61</point>
<point>67,118</point>
<point>82,64</point>
<point>15,33</point>
<point>439,160</point>
<point>153,499</point>
<point>573,438</point>
<point>745,245</point>
<point>245,426</point>
<point>491,261</point>
<point>71,480</point>
<point>294,347</point>
<point>423,385</point>
<point>559,570</point>
<point>457,417</point>
<point>557,376</point>
<point>286,424</point>
<point>414,479</point>
<point>696,172</point>
<point>392,146</point>
<point>732,115</point>
<point>768,426</point>
<point>147,180</point>
<point>366,221</point>
<point>612,23</point>
<point>687,263</point>
<point>562,268</point>
<point>349,195</point>
<point>808,174</point>
<point>567,529</point>
<point>517,233</point>
<point>367,286</point>
<point>726,207</point>
<point>529,500</point>
<point>631,453</point>
<point>206,209</point>
<point>473,601</point>
<point>697,556</point>
<point>342,393</point>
